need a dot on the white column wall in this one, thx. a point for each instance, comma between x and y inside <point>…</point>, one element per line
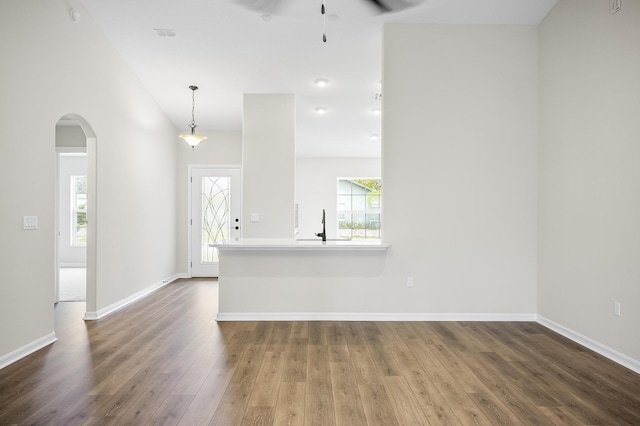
<point>268,154</point>
<point>589,172</point>
<point>459,167</point>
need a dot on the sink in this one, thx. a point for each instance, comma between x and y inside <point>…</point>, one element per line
<point>320,240</point>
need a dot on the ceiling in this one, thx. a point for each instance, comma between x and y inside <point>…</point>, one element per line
<point>228,50</point>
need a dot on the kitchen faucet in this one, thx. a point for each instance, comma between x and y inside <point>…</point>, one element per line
<point>323,234</point>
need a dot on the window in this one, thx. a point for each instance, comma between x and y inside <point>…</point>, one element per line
<point>78,210</point>
<point>359,208</point>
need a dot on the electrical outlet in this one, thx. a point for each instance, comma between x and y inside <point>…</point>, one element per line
<point>616,309</point>
<point>409,281</point>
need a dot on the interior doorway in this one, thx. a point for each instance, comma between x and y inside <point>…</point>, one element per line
<point>75,212</point>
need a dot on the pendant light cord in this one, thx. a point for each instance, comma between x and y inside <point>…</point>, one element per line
<point>324,22</point>
<point>193,107</point>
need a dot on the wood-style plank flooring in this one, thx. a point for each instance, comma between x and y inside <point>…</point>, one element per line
<point>165,360</point>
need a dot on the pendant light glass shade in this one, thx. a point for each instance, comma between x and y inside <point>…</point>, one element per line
<point>192,139</point>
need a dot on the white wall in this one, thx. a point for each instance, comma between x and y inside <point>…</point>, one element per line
<point>459,167</point>
<point>219,149</point>
<point>56,68</point>
<point>316,189</point>
<point>268,155</point>
<point>70,137</point>
<point>589,171</point>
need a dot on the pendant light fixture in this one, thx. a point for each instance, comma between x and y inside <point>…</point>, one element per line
<point>192,139</point>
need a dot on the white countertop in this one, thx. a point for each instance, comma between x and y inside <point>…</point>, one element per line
<point>293,244</point>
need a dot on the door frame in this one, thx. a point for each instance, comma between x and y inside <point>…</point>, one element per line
<point>190,168</point>
<point>92,217</point>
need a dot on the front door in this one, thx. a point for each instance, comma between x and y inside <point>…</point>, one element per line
<point>215,215</point>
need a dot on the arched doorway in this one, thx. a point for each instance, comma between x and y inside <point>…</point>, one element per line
<point>74,135</point>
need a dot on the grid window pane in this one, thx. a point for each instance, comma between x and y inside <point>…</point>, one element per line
<point>359,205</point>
<point>78,211</point>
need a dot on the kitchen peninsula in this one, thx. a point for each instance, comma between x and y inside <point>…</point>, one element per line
<point>287,279</point>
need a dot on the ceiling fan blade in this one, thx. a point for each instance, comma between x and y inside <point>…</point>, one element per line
<point>387,6</point>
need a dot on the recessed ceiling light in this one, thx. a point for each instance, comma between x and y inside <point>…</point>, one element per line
<point>376,111</point>
<point>321,82</point>
<point>374,136</point>
<point>321,110</point>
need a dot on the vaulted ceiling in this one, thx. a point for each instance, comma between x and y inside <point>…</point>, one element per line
<point>232,47</point>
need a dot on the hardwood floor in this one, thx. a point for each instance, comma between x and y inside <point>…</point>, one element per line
<point>166,361</point>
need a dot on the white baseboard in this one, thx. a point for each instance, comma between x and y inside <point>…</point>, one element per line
<point>22,352</point>
<point>612,354</point>
<point>101,313</point>
<point>603,350</point>
<point>336,316</point>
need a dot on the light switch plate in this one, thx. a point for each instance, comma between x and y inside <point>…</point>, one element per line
<point>255,217</point>
<point>30,222</point>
